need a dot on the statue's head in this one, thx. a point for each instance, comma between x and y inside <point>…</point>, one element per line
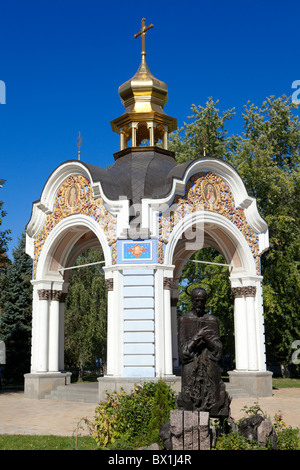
<point>198,298</point>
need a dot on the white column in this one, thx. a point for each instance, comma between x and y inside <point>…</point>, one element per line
<point>159,324</point>
<point>122,140</point>
<point>111,328</point>
<point>168,327</point>
<point>114,283</point>
<point>249,292</point>
<point>150,126</point>
<point>240,329</point>
<point>43,312</point>
<point>54,331</point>
<point>133,133</point>
<point>61,348</point>
<point>165,139</point>
<point>34,329</point>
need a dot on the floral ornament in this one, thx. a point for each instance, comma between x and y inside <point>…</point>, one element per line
<point>75,196</point>
<point>206,192</point>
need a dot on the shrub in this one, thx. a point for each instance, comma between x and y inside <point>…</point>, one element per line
<point>136,416</point>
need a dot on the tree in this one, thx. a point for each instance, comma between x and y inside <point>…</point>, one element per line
<point>267,159</point>
<point>4,240</point>
<point>16,304</point>
<point>85,315</point>
<point>206,130</point>
<point>266,156</point>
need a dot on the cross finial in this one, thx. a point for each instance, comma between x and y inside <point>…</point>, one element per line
<point>79,142</point>
<point>143,33</point>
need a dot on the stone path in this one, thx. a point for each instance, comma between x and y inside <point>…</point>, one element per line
<point>19,415</point>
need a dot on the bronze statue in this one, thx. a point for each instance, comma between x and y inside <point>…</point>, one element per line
<point>200,350</point>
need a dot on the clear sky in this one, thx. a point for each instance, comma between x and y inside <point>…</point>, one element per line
<point>62,62</point>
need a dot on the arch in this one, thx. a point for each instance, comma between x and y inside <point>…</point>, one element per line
<point>215,230</point>
<point>225,235</point>
<point>68,231</point>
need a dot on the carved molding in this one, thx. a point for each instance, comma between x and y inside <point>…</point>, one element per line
<point>48,294</point>
<point>167,283</point>
<point>56,295</point>
<point>109,284</point>
<point>246,291</point>
<point>249,291</point>
<point>44,294</point>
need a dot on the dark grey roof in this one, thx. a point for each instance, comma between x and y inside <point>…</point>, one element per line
<point>139,173</point>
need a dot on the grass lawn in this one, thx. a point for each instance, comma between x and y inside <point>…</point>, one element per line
<point>21,442</point>
<point>280,382</point>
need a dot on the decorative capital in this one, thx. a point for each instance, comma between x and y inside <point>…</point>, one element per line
<point>56,295</point>
<point>246,291</point>
<point>109,284</point>
<point>44,294</point>
<point>167,283</point>
<point>249,291</point>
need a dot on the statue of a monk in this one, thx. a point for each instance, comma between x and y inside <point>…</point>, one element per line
<point>200,350</point>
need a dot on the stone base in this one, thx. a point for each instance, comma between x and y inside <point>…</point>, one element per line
<point>188,430</point>
<point>256,384</point>
<point>114,384</point>
<point>38,385</point>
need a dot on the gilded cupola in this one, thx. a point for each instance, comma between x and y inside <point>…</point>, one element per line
<point>144,121</point>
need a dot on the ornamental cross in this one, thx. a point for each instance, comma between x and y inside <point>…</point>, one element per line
<point>79,142</point>
<point>143,33</point>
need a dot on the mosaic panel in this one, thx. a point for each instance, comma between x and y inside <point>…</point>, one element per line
<point>206,192</point>
<point>75,196</point>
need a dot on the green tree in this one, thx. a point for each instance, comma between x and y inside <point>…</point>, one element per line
<point>266,155</point>
<point>206,129</point>
<point>85,315</point>
<point>4,240</point>
<point>267,159</point>
<point>16,304</point>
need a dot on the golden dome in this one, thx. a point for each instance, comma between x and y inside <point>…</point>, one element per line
<point>143,93</point>
<point>144,97</point>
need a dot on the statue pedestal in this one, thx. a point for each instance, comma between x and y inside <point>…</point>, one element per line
<point>189,430</point>
<point>255,383</point>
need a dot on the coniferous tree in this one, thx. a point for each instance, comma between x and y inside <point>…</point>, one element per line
<point>15,319</point>
<point>4,240</point>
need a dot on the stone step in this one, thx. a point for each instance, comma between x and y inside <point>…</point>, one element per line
<point>235,392</point>
<point>86,392</point>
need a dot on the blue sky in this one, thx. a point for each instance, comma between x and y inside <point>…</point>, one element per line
<point>63,60</point>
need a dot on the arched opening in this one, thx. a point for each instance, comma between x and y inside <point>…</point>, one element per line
<point>85,319</point>
<point>199,231</point>
<point>59,258</point>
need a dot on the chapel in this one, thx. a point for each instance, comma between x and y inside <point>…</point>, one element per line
<point>148,214</point>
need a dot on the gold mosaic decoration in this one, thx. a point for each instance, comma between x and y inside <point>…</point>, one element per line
<point>206,192</point>
<point>75,196</point>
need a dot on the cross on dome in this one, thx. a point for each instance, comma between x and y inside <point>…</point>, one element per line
<point>142,33</point>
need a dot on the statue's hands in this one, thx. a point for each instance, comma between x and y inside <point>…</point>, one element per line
<point>201,335</point>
